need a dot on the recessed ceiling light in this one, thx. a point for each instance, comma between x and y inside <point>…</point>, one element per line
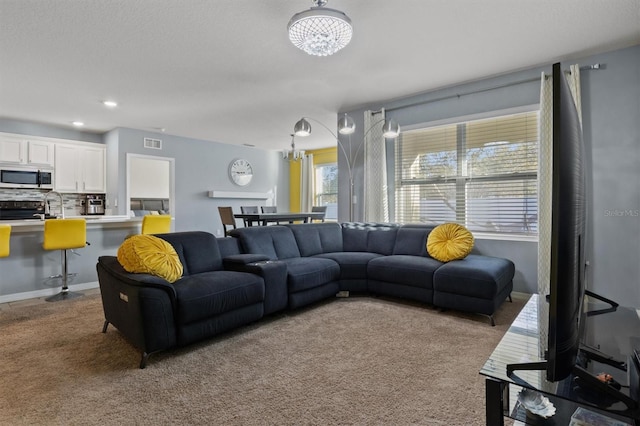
<point>110,104</point>
<point>77,123</point>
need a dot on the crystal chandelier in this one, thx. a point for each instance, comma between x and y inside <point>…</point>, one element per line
<point>292,154</point>
<point>320,31</point>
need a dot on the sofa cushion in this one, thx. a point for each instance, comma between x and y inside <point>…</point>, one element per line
<point>382,240</point>
<point>148,254</point>
<point>316,238</point>
<point>409,270</point>
<point>354,239</point>
<point>213,293</point>
<point>304,273</point>
<point>476,276</point>
<point>198,251</point>
<point>353,265</point>
<point>449,241</point>
<point>412,241</point>
<point>276,241</point>
<point>369,236</point>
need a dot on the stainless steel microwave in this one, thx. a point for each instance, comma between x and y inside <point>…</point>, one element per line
<point>26,177</point>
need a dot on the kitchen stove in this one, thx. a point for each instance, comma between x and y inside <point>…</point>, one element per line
<point>21,210</point>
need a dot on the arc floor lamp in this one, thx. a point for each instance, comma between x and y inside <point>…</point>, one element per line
<point>346,126</point>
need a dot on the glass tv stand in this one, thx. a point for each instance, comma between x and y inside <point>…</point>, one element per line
<point>613,336</point>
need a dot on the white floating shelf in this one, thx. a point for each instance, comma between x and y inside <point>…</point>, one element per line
<point>238,194</point>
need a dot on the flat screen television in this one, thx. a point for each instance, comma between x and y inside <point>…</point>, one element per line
<point>568,226</point>
<point>565,355</point>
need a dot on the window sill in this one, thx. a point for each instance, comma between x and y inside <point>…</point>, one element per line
<point>505,237</point>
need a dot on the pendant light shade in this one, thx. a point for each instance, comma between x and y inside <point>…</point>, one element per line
<point>320,31</point>
<point>390,129</point>
<point>346,125</point>
<point>302,128</point>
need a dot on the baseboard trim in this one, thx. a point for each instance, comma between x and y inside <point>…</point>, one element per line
<point>45,292</point>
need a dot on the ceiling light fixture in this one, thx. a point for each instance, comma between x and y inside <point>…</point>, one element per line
<point>77,123</point>
<point>110,104</point>
<point>320,31</point>
<point>293,153</point>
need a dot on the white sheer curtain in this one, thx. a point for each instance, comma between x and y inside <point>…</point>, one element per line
<point>306,183</point>
<point>545,169</point>
<point>376,199</point>
<point>545,179</point>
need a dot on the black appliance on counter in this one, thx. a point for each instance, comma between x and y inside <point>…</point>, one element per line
<point>21,210</point>
<point>93,204</point>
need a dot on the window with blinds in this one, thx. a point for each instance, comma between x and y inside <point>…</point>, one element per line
<point>326,188</point>
<point>481,174</point>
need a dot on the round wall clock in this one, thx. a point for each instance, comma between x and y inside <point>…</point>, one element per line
<point>240,172</point>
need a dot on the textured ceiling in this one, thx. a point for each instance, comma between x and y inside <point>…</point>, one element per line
<point>224,70</point>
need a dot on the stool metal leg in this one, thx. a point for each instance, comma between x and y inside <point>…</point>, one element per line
<point>64,293</point>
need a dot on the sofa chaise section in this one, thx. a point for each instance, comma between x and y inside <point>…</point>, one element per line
<point>478,284</point>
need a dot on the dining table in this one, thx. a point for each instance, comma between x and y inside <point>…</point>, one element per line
<point>265,218</point>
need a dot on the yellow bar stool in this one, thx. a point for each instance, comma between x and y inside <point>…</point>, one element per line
<point>5,237</point>
<point>156,224</point>
<point>64,234</point>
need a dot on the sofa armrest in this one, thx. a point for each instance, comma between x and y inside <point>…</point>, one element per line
<point>114,268</point>
<point>140,306</point>
<point>273,272</point>
<point>236,260</point>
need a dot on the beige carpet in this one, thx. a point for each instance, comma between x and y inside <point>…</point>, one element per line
<point>360,360</point>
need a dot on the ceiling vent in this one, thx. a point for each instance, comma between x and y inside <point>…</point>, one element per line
<point>153,143</point>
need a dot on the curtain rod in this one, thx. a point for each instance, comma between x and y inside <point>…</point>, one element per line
<point>597,66</point>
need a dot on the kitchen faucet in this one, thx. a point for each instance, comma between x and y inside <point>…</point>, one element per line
<point>61,202</point>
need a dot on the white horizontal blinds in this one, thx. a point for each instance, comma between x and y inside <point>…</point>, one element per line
<point>479,173</point>
<point>427,175</point>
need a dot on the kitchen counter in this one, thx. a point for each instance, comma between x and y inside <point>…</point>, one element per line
<point>29,225</point>
<point>26,272</point>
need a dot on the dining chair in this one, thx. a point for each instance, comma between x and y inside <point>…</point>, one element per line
<point>270,209</point>
<point>226,216</point>
<point>249,210</point>
<point>319,209</point>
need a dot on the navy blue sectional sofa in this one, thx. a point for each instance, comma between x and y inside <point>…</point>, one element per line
<point>229,282</point>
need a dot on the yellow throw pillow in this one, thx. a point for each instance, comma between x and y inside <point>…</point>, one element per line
<point>148,254</point>
<point>449,241</point>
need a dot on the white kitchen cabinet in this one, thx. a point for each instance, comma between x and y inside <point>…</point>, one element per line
<point>80,168</point>
<point>11,150</point>
<point>40,153</point>
<point>24,151</point>
<point>93,172</point>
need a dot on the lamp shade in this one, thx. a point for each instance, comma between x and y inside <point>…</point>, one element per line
<point>390,129</point>
<point>346,125</point>
<point>302,128</point>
